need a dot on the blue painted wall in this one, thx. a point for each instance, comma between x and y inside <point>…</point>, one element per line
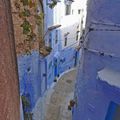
<point>50,69</point>
<point>93,97</point>
<point>67,59</point>
<point>30,81</point>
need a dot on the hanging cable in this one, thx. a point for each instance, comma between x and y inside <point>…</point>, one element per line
<point>101,53</point>
<point>106,24</point>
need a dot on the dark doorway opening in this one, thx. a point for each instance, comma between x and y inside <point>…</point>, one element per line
<point>113,112</point>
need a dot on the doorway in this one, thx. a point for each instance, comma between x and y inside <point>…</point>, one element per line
<point>113,112</point>
<point>55,68</point>
<point>76,58</point>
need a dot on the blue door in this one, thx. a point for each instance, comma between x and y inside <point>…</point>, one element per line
<point>43,76</point>
<point>55,68</point>
<point>76,58</point>
<point>113,112</point>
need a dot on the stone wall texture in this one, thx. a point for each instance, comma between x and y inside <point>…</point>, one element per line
<point>9,93</point>
<point>21,45</point>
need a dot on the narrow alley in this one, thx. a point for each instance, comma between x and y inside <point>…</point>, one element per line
<point>63,93</point>
<point>59,60</point>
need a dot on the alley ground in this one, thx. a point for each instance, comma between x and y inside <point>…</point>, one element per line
<point>57,108</point>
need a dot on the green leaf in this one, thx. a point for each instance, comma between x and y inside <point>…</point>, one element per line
<point>25,2</point>
<point>26,13</point>
<point>26,27</point>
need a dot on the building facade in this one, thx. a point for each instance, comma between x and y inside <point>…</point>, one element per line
<point>72,18</point>
<point>97,88</point>
<point>64,40</point>
<point>47,37</point>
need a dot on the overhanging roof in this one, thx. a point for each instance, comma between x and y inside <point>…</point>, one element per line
<point>54,27</point>
<point>111,76</point>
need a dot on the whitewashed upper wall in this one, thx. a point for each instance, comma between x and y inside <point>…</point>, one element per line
<point>70,22</point>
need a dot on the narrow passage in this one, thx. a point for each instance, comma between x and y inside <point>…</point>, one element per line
<point>57,108</point>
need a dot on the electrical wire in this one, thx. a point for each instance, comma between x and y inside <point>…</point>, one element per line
<point>93,12</point>
<point>90,29</point>
<point>102,53</point>
<point>106,24</point>
<point>94,29</point>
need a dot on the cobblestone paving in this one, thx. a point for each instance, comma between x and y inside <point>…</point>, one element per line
<point>57,108</point>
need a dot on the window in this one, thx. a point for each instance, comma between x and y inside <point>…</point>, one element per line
<point>65,44</point>
<point>56,37</point>
<point>79,11</point>
<point>68,10</point>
